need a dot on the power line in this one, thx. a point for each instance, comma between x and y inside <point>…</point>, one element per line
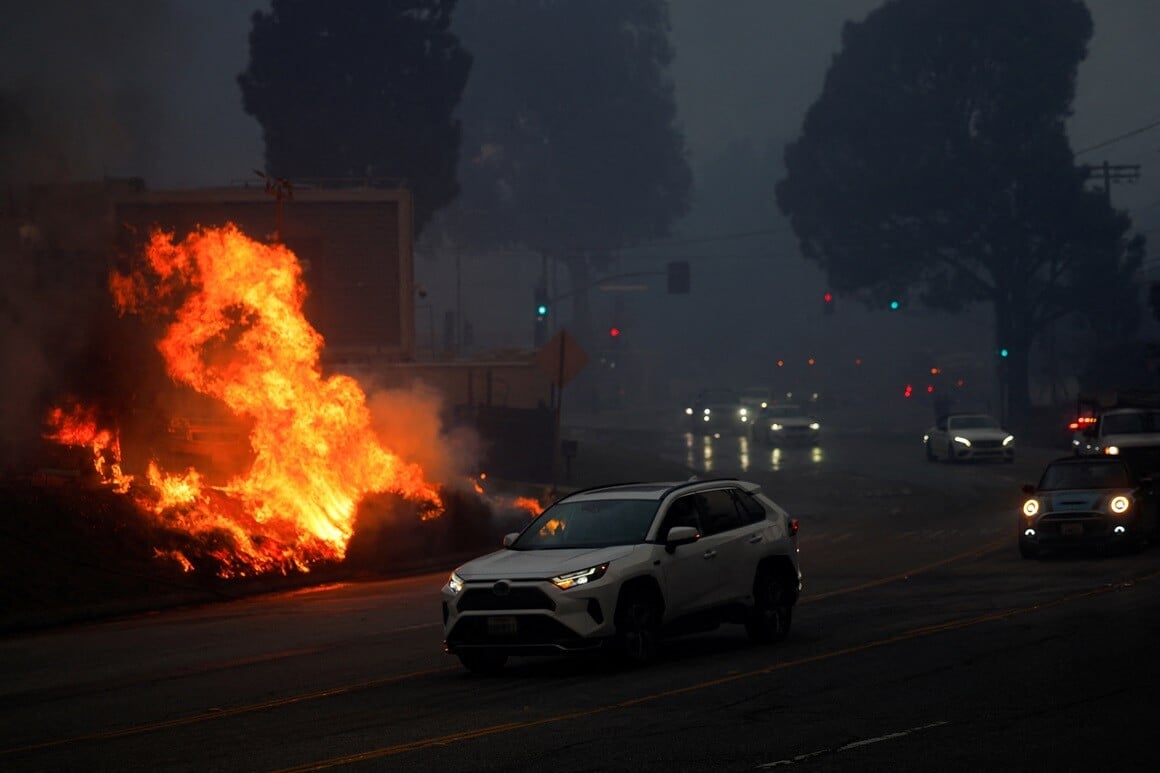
<point>1114,140</point>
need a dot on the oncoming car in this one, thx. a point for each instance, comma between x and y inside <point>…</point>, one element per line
<point>963,437</point>
<point>1087,501</point>
<point>617,568</point>
<point>786,425</point>
<point>716,411</point>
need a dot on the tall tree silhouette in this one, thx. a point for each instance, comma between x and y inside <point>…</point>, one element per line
<point>571,144</point>
<point>936,163</point>
<point>360,89</point>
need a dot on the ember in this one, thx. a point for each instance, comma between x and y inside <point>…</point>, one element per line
<point>235,332</point>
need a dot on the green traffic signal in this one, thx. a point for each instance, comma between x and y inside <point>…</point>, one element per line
<point>894,305</point>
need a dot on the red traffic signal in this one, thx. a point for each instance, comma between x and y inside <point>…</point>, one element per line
<point>613,332</point>
<point>828,297</point>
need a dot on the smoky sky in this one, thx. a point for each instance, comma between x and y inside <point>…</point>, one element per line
<point>148,88</point>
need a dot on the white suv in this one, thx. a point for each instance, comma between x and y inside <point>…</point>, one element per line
<point>621,566</point>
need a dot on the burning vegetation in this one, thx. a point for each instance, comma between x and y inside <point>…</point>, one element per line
<point>250,459</point>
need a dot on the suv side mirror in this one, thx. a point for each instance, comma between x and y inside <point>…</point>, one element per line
<point>680,535</point>
<point>509,538</point>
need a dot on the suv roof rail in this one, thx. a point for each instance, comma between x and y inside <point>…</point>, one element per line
<point>601,487</point>
<point>695,480</point>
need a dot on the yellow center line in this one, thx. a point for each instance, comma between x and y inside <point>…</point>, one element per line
<point>914,633</point>
<point>972,553</point>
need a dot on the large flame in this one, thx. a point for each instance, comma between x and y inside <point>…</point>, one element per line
<point>237,333</point>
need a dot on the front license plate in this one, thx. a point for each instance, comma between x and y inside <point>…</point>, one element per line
<point>501,626</point>
<point>1071,529</point>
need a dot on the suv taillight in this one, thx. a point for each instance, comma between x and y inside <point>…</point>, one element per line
<point>793,527</point>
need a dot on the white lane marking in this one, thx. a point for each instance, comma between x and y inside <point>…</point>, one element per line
<point>851,745</point>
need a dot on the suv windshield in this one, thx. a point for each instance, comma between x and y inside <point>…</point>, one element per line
<point>1128,423</point>
<point>1085,476</point>
<point>785,411</point>
<point>591,523</point>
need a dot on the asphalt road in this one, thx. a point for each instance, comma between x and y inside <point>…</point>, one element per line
<point>923,642</point>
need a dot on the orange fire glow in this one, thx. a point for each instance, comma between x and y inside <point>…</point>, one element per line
<point>76,426</point>
<point>236,333</point>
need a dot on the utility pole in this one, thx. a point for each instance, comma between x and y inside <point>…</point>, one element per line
<point>1113,173</point>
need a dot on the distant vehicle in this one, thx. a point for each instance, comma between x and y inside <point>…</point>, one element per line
<point>618,568</point>
<point>756,398</point>
<point>964,437</point>
<point>780,425</point>
<point>1088,501</point>
<point>716,411</point>
<point>1131,433</point>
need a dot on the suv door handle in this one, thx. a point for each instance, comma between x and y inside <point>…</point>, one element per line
<point>709,554</point>
<point>755,539</point>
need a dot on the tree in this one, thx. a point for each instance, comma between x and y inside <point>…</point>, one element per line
<point>362,89</point>
<point>571,145</point>
<point>936,164</point>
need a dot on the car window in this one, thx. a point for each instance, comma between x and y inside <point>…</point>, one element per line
<point>719,511</point>
<point>682,512</point>
<point>1084,476</point>
<point>589,523</point>
<point>751,509</point>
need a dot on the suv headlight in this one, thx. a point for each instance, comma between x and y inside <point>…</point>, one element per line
<point>1031,507</point>
<point>583,577</point>
<point>1119,504</point>
<point>775,427</point>
<point>1008,440</point>
<point>454,583</point>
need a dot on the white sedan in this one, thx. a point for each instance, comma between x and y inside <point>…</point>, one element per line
<point>963,437</point>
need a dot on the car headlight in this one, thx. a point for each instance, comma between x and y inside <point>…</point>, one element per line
<point>815,426</point>
<point>688,411</point>
<point>454,583</point>
<point>962,441</point>
<point>1119,505</point>
<point>1112,451</point>
<point>776,427</point>
<point>1031,507</point>
<point>706,411</point>
<point>583,577</point>
<point>744,412</point>
<point>1008,440</point>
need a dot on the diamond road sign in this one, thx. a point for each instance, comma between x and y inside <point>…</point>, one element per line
<point>562,358</point>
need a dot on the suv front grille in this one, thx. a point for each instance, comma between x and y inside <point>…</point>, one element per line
<point>485,599</point>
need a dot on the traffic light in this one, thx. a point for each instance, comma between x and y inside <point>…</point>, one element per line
<point>828,303</point>
<point>614,332</point>
<point>1003,351</point>
<point>895,305</point>
<point>541,303</point>
<point>678,276</point>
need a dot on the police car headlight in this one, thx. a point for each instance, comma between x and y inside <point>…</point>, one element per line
<point>1119,505</point>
